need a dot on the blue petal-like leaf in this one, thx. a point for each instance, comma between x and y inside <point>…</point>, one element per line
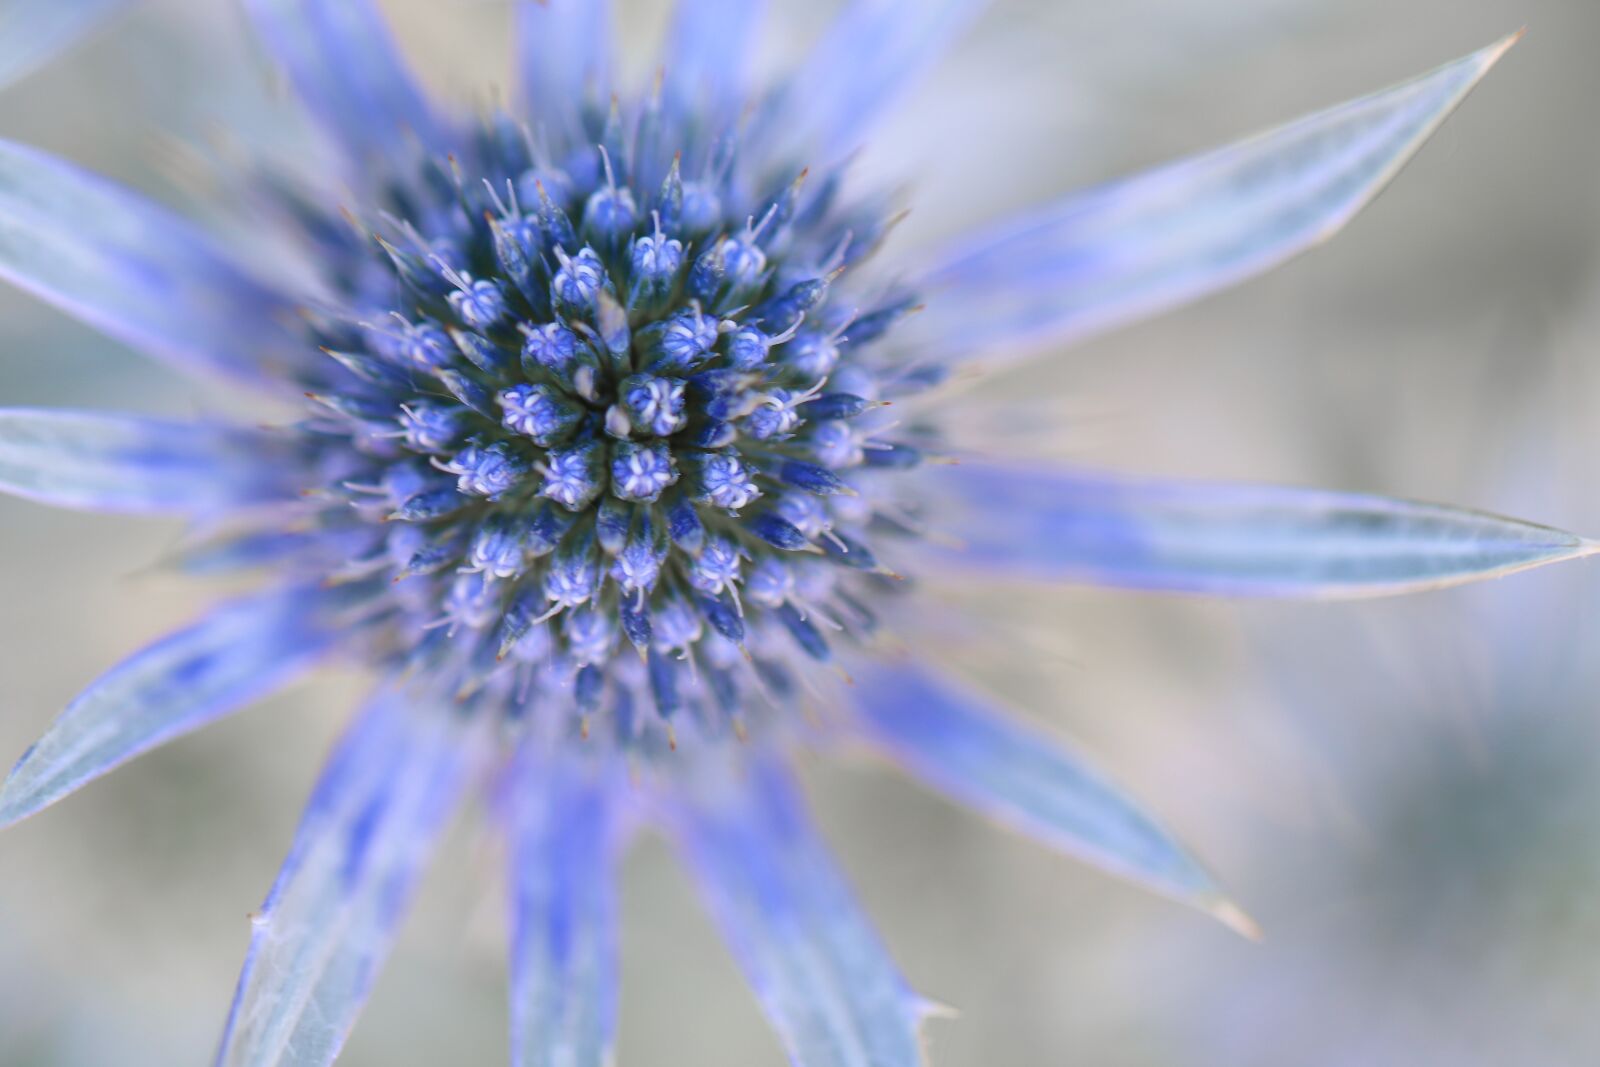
<point>1227,539</point>
<point>343,62</point>
<point>828,986</point>
<point>708,52</point>
<point>81,459</point>
<point>377,812</point>
<point>1138,246</point>
<point>564,60</point>
<point>874,51</point>
<point>32,31</point>
<point>237,654</point>
<point>136,271</point>
<point>956,741</point>
<point>566,838</point>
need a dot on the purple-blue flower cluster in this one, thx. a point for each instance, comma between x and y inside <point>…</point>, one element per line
<point>575,391</point>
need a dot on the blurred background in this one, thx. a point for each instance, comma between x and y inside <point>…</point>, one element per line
<point>1405,794</point>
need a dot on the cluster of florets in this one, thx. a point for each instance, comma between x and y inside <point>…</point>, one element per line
<point>601,411</point>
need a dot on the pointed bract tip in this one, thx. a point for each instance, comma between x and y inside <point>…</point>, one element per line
<point>928,1008</point>
<point>1486,58</point>
<point>1234,918</point>
<point>1505,43</point>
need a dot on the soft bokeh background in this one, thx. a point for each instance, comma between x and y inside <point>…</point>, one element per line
<point>1406,794</point>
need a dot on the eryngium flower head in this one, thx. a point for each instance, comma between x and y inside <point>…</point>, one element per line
<point>586,409</point>
<point>615,436</point>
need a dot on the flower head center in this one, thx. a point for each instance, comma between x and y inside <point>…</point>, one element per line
<point>590,405</point>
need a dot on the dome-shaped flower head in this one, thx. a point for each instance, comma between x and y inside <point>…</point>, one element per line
<point>617,441</point>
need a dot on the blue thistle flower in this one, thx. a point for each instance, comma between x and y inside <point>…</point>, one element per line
<point>598,475</point>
